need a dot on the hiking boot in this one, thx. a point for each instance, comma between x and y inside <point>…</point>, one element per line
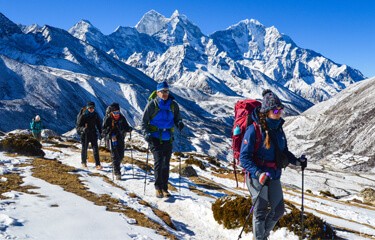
<point>118,176</point>
<point>99,167</point>
<point>84,165</point>
<point>166,193</point>
<point>159,193</point>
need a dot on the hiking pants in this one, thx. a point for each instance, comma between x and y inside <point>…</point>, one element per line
<point>117,154</point>
<point>162,152</point>
<point>85,140</point>
<point>37,135</point>
<point>265,219</point>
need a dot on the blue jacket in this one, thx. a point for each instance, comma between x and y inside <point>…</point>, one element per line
<point>267,155</point>
<point>36,127</point>
<point>160,117</point>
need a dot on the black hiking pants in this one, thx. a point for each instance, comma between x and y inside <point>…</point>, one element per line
<point>117,154</point>
<point>85,140</point>
<point>162,152</point>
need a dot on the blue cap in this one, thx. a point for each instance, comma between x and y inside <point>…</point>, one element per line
<point>161,86</point>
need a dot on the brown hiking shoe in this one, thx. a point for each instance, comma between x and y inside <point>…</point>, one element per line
<point>118,176</point>
<point>99,167</point>
<point>159,193</point>
<point>84,165</point>
<point>166,193</point>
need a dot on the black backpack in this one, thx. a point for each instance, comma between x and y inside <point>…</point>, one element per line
<point>79,116</point>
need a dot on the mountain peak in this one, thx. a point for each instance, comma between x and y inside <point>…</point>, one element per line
<point>175,13</point>
<point>84,30</point>
<point>151,22</point>
<point>7,27</point>
<point>249,24</point>
<point>252,21</point>
<point>85,26</point>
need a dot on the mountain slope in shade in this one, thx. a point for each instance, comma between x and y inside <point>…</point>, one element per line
<point>340,131</point>
<point>7,27</point>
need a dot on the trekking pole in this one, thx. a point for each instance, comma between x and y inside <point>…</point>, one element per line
<point>252,207</point>
<point>302,208</point>
<point>235,171</point>
<point>131,154</point>
<point>121,162</point>
<point>111,150</point>
<point>144,190</point>
<point>86,144</point>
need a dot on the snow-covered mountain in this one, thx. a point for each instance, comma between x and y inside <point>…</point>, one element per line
<point>245,52</point>
<point>230,54</point>
<point>52,72</point>
<point>340,131</point>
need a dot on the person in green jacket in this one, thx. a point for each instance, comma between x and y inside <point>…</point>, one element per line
<point>36,127</point>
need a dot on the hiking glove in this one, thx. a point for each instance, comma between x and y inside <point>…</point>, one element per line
<point>129,129</point>
<point>303,162</point>
<point>180,125</point>
<point>263,178</point>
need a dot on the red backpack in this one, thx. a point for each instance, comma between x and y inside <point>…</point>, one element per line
<point>242,119</point>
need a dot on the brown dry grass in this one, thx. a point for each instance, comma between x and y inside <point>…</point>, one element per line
<point>208,184</point>
<point>14,183</point>
<point>57,173</point>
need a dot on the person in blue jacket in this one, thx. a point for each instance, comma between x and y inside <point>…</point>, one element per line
<point>263,164</point>
<point>36,127</point>
<point>160,117</point>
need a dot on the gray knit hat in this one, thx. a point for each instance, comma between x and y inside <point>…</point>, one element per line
<point>270,101</point>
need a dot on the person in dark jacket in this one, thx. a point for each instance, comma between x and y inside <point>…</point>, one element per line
<point>160,116</point>
<point>90,128</point>
<point>115,128</point>
<point>263,166</point>
<point>36,127</point>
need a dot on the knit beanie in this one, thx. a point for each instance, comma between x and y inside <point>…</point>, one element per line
<point>90,104</point>
<point>270,101</point>
<point>162,86</point>
<point>115,107</point>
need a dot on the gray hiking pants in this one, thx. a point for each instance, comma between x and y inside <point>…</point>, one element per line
<point>265,219</point>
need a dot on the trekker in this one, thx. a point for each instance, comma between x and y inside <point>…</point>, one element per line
<point>159,118</point>
<point>36,127</point>
<point>115,128</point>
<point>271,156</point>
<point>88,124</point>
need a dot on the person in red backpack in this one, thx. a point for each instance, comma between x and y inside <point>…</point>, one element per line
<point>263,162</point>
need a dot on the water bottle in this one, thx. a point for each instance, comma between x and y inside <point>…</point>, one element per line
<point>237,131</point>
<point>114,140</point>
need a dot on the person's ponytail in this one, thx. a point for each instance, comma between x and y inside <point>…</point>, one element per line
<point>263,124</point>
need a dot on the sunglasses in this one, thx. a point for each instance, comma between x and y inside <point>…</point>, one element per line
<point>277,111</point>
<point>164,91</point>
<point>91,107</point>
<point>116,112</point>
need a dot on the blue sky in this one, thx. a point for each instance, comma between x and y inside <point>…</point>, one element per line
<point>342,30</point>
